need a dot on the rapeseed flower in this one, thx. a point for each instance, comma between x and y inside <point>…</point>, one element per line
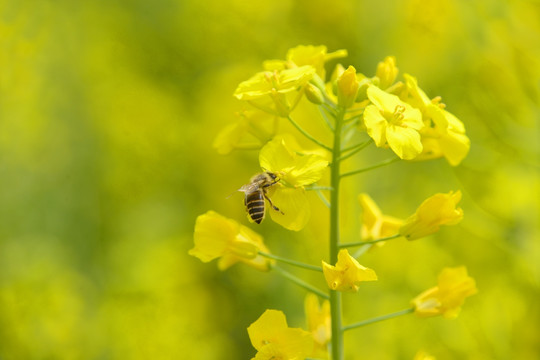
<point>387,72</point>
<point>376,225</point>
<point>394,123</point>
<point>274,339</point>
<point>347,273</point>
<point>446,299</point>
<point>252,130</point>
<point>268,88</point>
<point>318,322</point>
<point>295,171</point>
<point>216,236</point>
<point>443,133</point>
<point>439,209</point>
<point>347,87</point>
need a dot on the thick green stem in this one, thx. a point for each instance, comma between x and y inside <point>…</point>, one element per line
<point>335,296</point>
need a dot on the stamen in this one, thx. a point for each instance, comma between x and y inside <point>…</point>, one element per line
<point>398,113</point>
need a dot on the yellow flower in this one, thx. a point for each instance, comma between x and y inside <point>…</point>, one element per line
<point>218,237</point>
<point>318,322</point>
<point>414,94</point>
<point>274,339</point>
<point>443,134</point>
<point>295,171</point>
<point>446,299</point>
<point>449,133</point>
<point>347,87</point>
<point>274,86</point>
<point>387,72</point>
<point>347,273</point>
<point>251,131</point>
<point>376,225</point>
<point>439,209</point>
<point>269,82</point>
<point>390,121</point>
<point>315,56</point>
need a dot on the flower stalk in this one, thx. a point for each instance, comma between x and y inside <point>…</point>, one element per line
<point>377,319</point>
<point>335,296</point>
<point>381,164</point>
<point>291,262</point>
<point>360,243</point>
<point>299,282</point>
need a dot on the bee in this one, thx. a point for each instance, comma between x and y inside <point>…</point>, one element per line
<point>255,193</point>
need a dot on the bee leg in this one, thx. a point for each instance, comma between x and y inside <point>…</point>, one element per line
<point>272,183</point>
<point>272,205</point>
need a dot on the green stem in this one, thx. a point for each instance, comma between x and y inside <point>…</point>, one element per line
<point>287,275</point>
<point>322,109</point>
<point>323,198</point>
<point>358,147</point>
<point>299,128</point>
<point>291,262</point>
<point>377,319</point>
<point>335,296</point>
<point>359,243</point>
<point>353,147</point>
<point>384,163</point>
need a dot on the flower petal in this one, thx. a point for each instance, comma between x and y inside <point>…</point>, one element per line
<point>405,142</point>
<point>276,157</point>
<point>375,124</point>
<point>294,205</point>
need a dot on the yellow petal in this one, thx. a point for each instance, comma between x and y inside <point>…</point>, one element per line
<point>347,87</point>
<point>213,235</point>
<point>267,328</point>
<point>405,142</point>
<point>318,318</point>
<point>271,336</point>
<point>419,97</point>
<point>437,210</point>
<point>447,298</point>
<point>347,273</point>
<point>276,157</point>
<point>375,124</point>
<point>375,225</point>
<point>218,237</point>
<point>383,100</point>
<point>296,170</point>
<point>387,72</point>
<point>294,205</point>
<point>307,170</point>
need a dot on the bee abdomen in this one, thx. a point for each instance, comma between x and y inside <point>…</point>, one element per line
<point>255,206</point>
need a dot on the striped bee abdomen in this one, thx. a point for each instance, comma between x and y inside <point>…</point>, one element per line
<point>255,206</point>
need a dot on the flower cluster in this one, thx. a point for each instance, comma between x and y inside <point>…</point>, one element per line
<point>381,110</point>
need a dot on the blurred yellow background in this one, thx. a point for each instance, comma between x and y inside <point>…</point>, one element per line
<point>108,111</point>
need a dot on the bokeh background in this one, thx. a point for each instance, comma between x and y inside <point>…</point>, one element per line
<point>108,111</point>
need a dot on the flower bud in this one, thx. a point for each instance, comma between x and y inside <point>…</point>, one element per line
<point>387,72</point>
<point>347,87</point>
<point>314,94</point>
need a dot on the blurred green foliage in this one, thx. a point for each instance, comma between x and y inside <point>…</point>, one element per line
<point>108,110</point>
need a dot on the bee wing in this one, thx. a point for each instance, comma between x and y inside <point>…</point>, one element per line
<point>249,187</point>
<point>245,188</point>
